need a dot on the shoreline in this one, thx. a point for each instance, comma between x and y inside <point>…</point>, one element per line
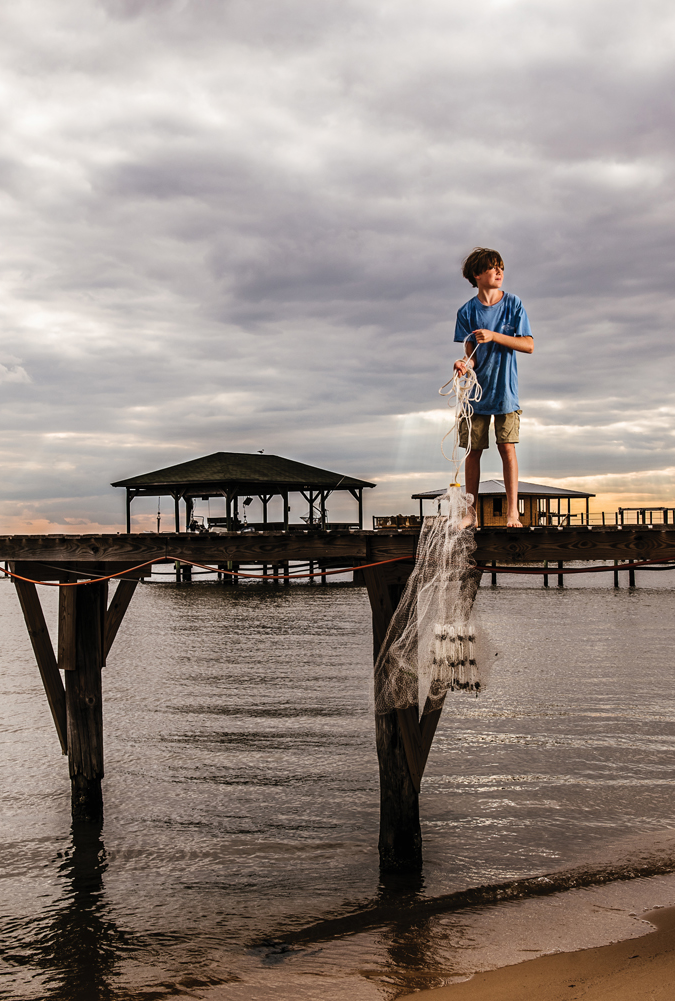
<point>642,967</point>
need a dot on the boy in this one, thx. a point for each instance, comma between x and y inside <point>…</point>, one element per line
<point>496,325</point>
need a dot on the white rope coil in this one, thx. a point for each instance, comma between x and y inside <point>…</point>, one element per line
<point>463,393</point>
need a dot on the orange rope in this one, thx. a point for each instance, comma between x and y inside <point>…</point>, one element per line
<point>78,583</point>
<point>291,576</point>
<point>552,571</point>
<point>172,559</point>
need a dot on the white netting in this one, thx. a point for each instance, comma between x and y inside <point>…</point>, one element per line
<point>431,646</point>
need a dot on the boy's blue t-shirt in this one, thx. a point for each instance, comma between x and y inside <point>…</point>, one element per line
<point>495,366</point>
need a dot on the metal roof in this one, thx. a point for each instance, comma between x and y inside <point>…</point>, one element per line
<point>496,488</point>
<point>251,472</point>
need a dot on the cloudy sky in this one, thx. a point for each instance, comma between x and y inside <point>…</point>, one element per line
<point>238,224</point>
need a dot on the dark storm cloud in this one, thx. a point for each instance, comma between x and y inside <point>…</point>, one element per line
<point>239,225</point>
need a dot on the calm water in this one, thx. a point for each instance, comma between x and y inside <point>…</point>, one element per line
<point>241,787</point>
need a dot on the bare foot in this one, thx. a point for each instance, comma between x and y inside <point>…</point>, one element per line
<point>513,523</point>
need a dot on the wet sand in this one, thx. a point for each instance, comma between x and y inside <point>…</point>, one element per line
<point>640,969</point>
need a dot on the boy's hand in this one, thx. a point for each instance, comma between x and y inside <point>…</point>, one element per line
<point>460,366</point>
<point>483,336</point>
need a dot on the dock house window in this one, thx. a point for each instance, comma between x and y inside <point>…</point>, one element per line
<point>521,505</point>
<point>497,507</point>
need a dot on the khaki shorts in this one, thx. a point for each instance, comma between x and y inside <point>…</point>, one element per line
<point>507,429</point>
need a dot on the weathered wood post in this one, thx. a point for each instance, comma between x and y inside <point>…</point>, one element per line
<point>84,704</point>
<point>400,841</point>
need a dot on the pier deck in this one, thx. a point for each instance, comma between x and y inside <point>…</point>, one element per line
<point>501,544</point>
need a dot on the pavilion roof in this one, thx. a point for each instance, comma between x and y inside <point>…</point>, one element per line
<point>244,471</point>
<point>496,488</point>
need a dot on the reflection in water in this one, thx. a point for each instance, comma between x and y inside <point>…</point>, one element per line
<point>409,944</point>
<point>76,947</point>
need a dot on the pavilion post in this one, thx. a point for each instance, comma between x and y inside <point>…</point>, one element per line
<point>323,516</point>
<point>357,494</point>
<point>189,508</point>
<point>176,511</point>
<point>284,495</point>
<point>84,707</point>
<point>129,497</point>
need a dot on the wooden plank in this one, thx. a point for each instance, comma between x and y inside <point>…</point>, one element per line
<point>115,613</point>
<point>44,655</point>
<point>604,543</point>
<point>84,705</point>
<point>578,543</point>
<point>408,721</point>
<point>428,724</point>
<point>67,605</point>
<point>244,547</point>
<point>380,604</point>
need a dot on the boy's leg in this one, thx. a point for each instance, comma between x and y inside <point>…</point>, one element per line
<point>472,474</point>
<point>479,441</point>
<point>507,450</point>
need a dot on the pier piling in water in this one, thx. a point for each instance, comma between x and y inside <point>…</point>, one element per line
<point>84,703</point>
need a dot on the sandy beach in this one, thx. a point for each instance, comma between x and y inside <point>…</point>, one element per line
<point>640,969</point>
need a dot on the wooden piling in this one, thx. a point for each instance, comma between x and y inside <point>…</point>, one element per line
<point>84,706</point>
<point>400,842</point>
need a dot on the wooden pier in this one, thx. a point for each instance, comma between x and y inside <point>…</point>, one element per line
<point>88,624</point>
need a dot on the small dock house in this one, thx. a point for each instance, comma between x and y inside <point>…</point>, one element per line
<point>537,504</point>
<point>235,475</point>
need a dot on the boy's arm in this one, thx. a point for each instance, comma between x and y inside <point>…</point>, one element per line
<point>525,344</point>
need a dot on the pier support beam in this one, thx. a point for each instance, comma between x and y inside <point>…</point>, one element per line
<point>44,655</point>
<point>400,842</point>
<point>84,707</point>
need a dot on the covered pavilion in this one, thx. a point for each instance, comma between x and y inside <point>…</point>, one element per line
<point>232,475</point>
<point>534,503</point>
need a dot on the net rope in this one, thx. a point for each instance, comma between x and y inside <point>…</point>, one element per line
<point>432,644</point>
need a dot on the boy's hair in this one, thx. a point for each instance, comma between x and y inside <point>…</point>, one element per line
<point>479,260</point>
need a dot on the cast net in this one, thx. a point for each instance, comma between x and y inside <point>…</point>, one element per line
<point>432,645</point>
